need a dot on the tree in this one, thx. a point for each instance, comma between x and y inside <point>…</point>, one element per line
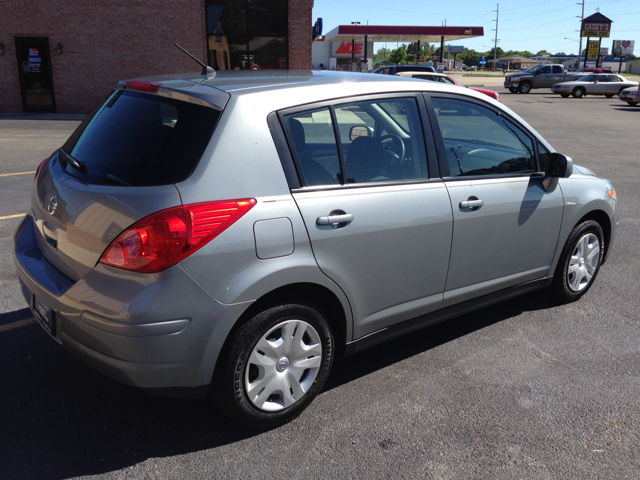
<point>398,56</point>
<point>383,52</point>
<point>543,52</point>
<point>499,53</point>
<point>560,53</point>
<point>470,57</point>
<point>412,49</point>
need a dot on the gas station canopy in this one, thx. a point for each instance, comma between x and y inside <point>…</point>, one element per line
<point>384,33</point>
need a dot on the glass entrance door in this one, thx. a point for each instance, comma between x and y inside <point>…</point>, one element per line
<point>34,71</point>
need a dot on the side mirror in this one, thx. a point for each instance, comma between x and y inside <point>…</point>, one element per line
<point>560,166</point>
<point>360,131</point>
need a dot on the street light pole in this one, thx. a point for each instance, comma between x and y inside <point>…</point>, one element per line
<point>495,42</point>
<point>353,48</point>
<point>574,40</point>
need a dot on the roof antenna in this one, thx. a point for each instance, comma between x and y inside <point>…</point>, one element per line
<point>206,70</point>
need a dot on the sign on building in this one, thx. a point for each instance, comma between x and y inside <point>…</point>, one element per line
<point>346,48</point>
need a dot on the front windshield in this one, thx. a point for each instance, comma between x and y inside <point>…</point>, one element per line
<point>587,78</point>
<point>535,68</point>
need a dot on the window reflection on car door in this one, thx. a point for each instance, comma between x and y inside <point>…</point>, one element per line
<point>505,224</point>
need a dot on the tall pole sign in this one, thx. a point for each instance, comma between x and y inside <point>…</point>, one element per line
<point>596,25</point>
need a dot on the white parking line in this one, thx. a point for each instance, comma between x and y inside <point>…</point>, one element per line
<point>13,216</point>
<point>18,324</point>
<point>17,173</point>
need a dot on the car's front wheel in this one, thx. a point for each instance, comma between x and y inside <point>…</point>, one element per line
<point>578,92</point>
<point>633,104</point>
<point>274,365</point>
<point>513,90</point>
<point>580,261</point>
<point>608,95</point>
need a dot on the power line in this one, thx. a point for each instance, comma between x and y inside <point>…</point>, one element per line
<point>540,25</point>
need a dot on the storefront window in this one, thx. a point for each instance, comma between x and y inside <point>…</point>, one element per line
<point>243,34</point>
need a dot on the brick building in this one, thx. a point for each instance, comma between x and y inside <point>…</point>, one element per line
<point>65,55</point>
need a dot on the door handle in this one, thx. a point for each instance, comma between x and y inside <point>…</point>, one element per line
<point>335,219</point>
<point>472,204</point>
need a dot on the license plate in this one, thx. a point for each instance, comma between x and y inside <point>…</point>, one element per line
<point>44,315</point>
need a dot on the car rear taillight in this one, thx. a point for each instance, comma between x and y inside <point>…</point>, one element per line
<point>164,238</point>
<point>39,168</point>
<point>143,86</point>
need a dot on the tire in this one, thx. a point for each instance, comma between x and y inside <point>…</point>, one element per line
<point>513,90</point>
<point>274,365</point>
<point>633,104</point>
<point>609,95</point>
<point>564,95</point>
<point>578,92</point>
<point>524,87</point>
<point>580,262</point>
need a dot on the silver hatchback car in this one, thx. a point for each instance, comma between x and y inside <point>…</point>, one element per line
<point>232,234</point>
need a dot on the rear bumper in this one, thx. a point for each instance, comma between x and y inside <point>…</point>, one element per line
<point>146,330</point>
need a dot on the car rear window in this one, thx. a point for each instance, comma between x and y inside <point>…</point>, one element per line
<point>137,139</point>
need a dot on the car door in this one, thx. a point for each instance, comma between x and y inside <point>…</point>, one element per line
<point>598,85</point>
<point>557,75</point>
<point>505,224</point>
<point>380,226</point>
<point>544,77</point>
<point>616,83</point>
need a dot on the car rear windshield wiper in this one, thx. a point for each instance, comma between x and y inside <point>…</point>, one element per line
<point>77,165</point>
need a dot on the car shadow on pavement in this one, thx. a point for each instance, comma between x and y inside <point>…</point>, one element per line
<point>626,109</point>
<point>381,356</point>
<point>60,419</point>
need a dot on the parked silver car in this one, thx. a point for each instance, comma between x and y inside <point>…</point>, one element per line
<point>233,234</point>
<point>606,84</point>
<point>629,95</point>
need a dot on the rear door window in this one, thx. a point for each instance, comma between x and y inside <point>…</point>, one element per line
<point>379,141</point>
<point>137,139</point>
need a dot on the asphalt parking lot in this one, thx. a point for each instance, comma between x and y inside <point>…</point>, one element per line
<point>524,389</point>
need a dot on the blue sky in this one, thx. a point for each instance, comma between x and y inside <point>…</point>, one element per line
<point>532,25</point>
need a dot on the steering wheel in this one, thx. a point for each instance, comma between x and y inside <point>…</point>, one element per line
<point>397,146</point>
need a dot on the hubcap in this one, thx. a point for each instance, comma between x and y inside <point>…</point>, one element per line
<point>583,263</point>
<point>283,365</point>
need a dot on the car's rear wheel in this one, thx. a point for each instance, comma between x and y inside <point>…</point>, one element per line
<point>274,365</point>
<point>580,261</point>
<point>609,95</point>
<point>524,87</point>
<point>633,104</point>
<point>578,92</point>
<point>564,95</point>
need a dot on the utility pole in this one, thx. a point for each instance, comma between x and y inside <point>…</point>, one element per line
<point>495,42</point>
<point>580,42</point>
